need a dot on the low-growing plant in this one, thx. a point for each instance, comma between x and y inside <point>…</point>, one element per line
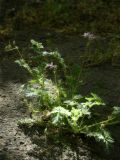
<point>54,100</point>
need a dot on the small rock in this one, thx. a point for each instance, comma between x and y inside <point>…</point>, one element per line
<point>21,143</point>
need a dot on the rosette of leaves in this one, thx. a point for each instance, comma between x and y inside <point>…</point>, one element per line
<point>77,116</point>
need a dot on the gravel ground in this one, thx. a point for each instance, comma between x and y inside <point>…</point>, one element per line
<point>14,145</point>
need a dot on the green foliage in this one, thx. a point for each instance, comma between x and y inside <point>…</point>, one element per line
<point>55,12</point>
<point>99,133</point>
<point>82,16</point>
<point>100,51</point>
<point>22,63</point>
<point>68,15</point>
<point>94,100</point>
<point>73,80</point>
<point>11,47</point>
<point>51,98</point>
<point>59,114</point>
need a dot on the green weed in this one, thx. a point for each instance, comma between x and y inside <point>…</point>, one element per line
<point>53,98</point>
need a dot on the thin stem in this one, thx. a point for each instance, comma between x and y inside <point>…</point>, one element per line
<point>106,122</point>
<point>56,83</point>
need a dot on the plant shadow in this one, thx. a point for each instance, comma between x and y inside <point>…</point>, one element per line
<point>64,146</point>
